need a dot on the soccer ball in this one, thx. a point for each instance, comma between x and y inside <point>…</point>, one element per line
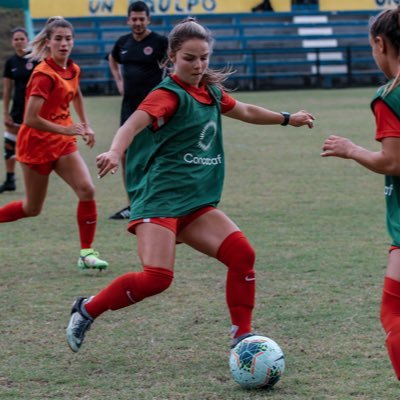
<point>257,362</point>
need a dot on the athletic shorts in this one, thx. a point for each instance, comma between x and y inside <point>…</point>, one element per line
<point>393,248</point>
<point>176,225</point>
<point>47,167</point>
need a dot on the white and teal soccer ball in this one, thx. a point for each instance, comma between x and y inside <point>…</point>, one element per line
<point>257,362</point>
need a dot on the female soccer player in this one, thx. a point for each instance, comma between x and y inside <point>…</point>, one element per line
<point>17,71</point>
<point>47,137</point>
<point>385,43</point>
<point>175,175</point>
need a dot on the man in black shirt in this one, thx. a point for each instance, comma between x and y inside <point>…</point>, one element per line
<point>17,71</point>
<point>136,62</point>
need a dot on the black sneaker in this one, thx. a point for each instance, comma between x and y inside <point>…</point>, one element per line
<point>7,186</point>
<point>237,340</point>
<point>79,323</point>
<point>125,213</point>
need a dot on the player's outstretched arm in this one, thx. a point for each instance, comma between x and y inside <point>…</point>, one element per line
<point>386,161</point>
<point>262,116</point>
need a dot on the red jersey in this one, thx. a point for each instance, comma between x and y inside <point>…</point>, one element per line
<point>162,104</point>
<point>57,87</point>
<point>387,123</point>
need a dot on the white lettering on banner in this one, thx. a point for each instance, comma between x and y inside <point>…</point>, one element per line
<point>191,159</point>
<point>101,6</point>
<point>387,3</point>
<point>388,190</point>
<point>179,6</point>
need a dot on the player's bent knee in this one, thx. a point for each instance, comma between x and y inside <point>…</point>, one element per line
<point>161,279</point>
<point>237,253</point>
<point>86,192</point>
<point>244,257</point>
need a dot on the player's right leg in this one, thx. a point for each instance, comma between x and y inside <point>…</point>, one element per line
<point>390,309</point>
<point>156,249</point>
<point>35,193</point>
<point>215,234</point>
<point>74,171</point>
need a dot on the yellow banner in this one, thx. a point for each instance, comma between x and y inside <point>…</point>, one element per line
<point>87,8</point>
<point>348,5</point>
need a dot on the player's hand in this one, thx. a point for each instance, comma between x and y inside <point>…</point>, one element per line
<point>12,127</point>
<point>120,87</point>
<point>302,118</point>
<point>7,120</point>
<point>337,146</point>
<point>89,136</point>
<point>107,162</point>
<point>75,129</point>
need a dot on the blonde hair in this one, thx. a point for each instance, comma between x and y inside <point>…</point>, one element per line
<point>37,47</point>
<point>387,24</point>
<point>188,29</point>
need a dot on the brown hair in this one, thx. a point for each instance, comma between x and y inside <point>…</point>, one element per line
<point>37,47</point>
<point>188,29</point>
<point>19,29</point>
<point>387,24</point>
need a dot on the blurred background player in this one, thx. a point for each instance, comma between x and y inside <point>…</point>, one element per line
<point>385,43</point>
<point>17,71</point>
<point>136,64</point>
<point>47,136</point>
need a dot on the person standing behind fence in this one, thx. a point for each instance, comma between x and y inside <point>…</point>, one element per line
<point>385,43</point>
<point>136,64</point>
<point>47,137</point>
<point>17,71</point>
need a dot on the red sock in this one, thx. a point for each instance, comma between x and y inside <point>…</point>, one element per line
<point>390,318</point>
<point>130,288</point>
<point>238,255</point>
<point>86,215</point>
<point>12,211</point>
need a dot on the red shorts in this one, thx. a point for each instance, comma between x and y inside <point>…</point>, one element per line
<point>47,167</point>
<point>176,225</point>
<point>393,248</point>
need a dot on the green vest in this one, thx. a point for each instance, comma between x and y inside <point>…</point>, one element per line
<point>179,168</point>
<point>392,183</point>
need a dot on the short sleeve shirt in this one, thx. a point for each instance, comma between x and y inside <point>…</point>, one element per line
<point>19,70</point>
<point>140,62</point>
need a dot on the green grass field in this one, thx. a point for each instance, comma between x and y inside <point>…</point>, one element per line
<point>318,228</point>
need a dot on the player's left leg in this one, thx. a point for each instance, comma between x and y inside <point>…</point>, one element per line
<point>74,171</point>
<point>390,309</point>
<point>216,235</point>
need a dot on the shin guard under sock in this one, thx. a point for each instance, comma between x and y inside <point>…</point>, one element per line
<point>130,288</point>
<point>86,215</point>
<point>390,318</point>
<point>12,212</point>
<point>238,255</point>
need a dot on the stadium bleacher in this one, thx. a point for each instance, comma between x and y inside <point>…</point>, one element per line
<point>267,50</point>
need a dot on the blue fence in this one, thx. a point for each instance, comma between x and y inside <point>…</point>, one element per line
<point>267,50</point>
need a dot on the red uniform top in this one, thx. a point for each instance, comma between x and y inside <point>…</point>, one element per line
<point>387,123</point>
<point>161,104</point>
<point>57,87</point>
